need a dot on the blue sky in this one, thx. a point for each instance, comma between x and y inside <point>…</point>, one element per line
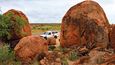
<point>51,11</point>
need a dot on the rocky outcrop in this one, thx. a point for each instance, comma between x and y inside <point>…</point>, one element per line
<point>51,59</point>
<point>110,60</point>
<point>30,47</point>
<point>17,31</point>
<point>85,24</point>
<point>96,57</point>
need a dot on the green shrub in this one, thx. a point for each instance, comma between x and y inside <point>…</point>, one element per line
<point>63,49</point>
<point>64,61</point>
<point>4,27</point>
<point>47,27</point>
<point>7,57</point>
<point>72,56</point>
<point>51,47</point>
<point>7,25</point>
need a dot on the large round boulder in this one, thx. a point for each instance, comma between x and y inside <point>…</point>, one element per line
<point>19,26</point>
<point>51,41</point>
<point>16,16</point>
<point>85,24</point>
<point>31,47</point>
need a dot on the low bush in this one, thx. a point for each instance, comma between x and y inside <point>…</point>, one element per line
<point>51,47</point>
<point>7,56</point>
<point>72,56</point>
<point>64,61</point>
<point>63,49</point>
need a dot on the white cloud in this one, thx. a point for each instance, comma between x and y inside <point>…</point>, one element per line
<point>51,11</point>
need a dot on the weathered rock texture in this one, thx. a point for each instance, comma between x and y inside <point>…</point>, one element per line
<point>51,41</point>
<point>54,41</point>
<point>25,31</point>
<point>53,58</point>
<point>110,60</point>
<point>112,25</point>
<point>85,24</point>
<point>96,58</point>
<point>30,47</point>
<point>112,37</point>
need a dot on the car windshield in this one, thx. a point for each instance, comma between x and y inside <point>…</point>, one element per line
<point>47,33</point>
<point>54,32</point>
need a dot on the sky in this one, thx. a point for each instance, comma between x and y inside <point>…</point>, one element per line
<point>51,11</point>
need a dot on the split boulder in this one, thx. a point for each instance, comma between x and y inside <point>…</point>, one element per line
<point>85,24</point>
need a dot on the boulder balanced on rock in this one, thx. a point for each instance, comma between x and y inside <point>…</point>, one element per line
<point>85,24</point>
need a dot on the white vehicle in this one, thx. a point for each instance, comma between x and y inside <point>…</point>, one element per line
<point>49,34</point>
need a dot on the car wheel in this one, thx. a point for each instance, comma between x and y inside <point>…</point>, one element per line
<point>45,38</point>
<point>55,37</point>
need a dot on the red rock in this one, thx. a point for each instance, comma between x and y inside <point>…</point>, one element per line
<point>85,24</point>
<point>25,31</point>
<point>112,37</point>
<point>110,60</point>
<point>82,60</point>
<point>51,41</point>
<point>53,58</point>
<point>96,58</point>
<point>29,47</point>
<point>54,41</point>
<point>112,25</point>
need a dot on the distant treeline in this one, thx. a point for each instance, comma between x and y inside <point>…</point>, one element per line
<point>43,24</point>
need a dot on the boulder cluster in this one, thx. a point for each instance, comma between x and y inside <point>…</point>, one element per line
<point>84,27</point>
